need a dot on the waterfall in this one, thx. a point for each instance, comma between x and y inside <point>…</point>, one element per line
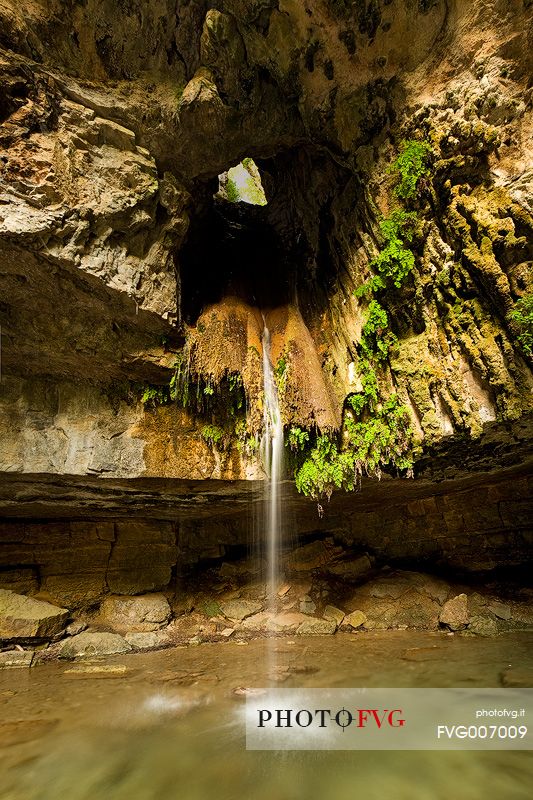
<point>272,457</point>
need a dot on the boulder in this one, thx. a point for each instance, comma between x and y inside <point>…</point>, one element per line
<point>500,610</point>
<point>356,619</point>
<point>334,614</point>
<point>307,606</point>
<point>90,643</point>
<point>483,626</point>
<point>317,627</point>
<point>24,617</point>
<point>286,621</point>
<point>351,570</point>
<point>314,555</point>
<point>141,614</point>
<point>454,613</point>
<point>239,609</point>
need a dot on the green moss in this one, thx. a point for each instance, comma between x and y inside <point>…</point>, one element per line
<point>211,608</point>
<point>232,191</point>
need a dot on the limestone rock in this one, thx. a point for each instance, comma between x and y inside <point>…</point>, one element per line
<point>454,613</point>
<point>350,569</point>
<point>21,581</point>
<point>149,640</point>
<point>356,619</point>
<point>316,627</point>
<point>24,617</point>
<point>16,658</point>
<point>239,609</point>
<point>286,621</point>
<point>141,614</point>
<point>311,556</point>
<point>307,606</point>
<point>500,610</point>
<point>90,643</point>
<point>334,614</point>
<point>97,671</point>
<point>483,626</point>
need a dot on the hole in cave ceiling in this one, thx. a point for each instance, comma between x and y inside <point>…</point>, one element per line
<point>242,184</point>
<point>262,232</point>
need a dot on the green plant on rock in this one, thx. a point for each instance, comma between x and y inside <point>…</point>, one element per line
<point>522,317</point>
<point>154,396</point>
<point>297,439</point>
<point>214,436</point>
<point>368,397</point>
<point>396,260</point>
<point>281,372</point>
<point>410,165</point>
<point>376,337</point>
<point>383,439</point>
<point>324,469</point>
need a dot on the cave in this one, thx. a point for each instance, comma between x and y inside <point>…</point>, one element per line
<point>266,341</point>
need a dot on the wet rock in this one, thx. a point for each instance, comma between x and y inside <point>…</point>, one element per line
<point>483,626</point>
<point>356,619</point>
<point>141,614</point>
<point>148,640</point>
<point>334,614</point>
<point>454,613</point>
<point>94,644</point>
<point>316,627</point>
<point>24,617</point>
<point>98,671</point>
<point>278,623</point>
<point>500,610</point>
<point>396,605</point>
<point>283,589</point>
<point>307,606</point>
<point>239,609</point>
<point>16,658</point>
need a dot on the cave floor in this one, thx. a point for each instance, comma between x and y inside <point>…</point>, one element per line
<point>170,723</point>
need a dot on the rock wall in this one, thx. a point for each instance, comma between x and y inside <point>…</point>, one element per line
<point>115,122</point>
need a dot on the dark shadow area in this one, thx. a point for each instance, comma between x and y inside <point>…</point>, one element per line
<point>233,249</point>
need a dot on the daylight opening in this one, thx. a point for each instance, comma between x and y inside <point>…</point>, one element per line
<point>242,184</point>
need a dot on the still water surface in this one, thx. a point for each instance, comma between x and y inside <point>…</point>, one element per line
<point>168,725</point>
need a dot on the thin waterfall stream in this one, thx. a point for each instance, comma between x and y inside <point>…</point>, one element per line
<point>272,458</point>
